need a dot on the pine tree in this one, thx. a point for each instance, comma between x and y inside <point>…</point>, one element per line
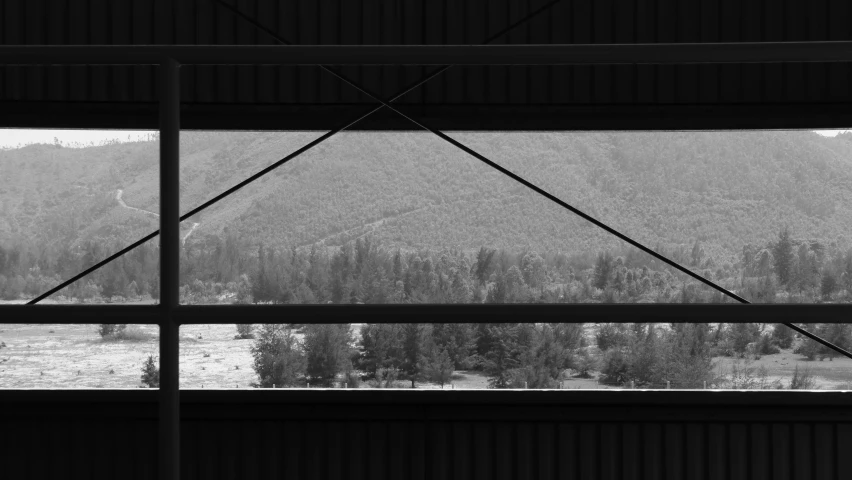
<point>501,358</point>
<point>150,373</point>
<point>828,284</point>
<point>414,337</point>
<point>278,359</point>
<point>603,269</point>
<point>328,349</point>
<point>381,347</point>
<point>782,253</point>
<point>435,364</point>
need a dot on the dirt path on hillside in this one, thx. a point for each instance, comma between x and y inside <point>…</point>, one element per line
<point>118,196</point>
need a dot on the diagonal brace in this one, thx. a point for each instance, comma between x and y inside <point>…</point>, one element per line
<point>534,187</point>
<point>284,160</point>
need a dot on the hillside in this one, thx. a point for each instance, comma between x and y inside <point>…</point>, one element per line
<point>414,190</point>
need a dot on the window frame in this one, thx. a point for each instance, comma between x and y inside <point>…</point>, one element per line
<point>169,315</point>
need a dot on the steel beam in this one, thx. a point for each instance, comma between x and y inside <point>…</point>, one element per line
<point>576,54</point>
<point>169,93</point>
<point>426,313</point>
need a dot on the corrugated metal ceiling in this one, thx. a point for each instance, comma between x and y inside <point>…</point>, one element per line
<point>582,97</point>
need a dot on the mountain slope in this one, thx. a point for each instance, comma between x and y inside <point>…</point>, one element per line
<point>414,190</point>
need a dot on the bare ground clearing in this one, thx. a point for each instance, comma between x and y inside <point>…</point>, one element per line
<point>74,356</point>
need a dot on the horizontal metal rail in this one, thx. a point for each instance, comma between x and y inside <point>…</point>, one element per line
<point>428,313</point>
<point>575,54</point>
<point>218,398</point>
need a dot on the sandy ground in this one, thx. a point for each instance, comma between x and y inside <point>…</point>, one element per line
<point>74,356</point>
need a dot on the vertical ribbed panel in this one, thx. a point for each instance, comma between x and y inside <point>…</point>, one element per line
<point>139,22</point>
<point>513,450</point>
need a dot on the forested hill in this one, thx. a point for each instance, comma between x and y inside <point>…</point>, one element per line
<point>414,190</point>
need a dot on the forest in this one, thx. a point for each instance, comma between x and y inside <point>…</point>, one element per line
<point>227,270</point>
<point>527,355</point>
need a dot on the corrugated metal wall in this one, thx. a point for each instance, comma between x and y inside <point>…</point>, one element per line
<point>392,435</point>
<point>464,97</point>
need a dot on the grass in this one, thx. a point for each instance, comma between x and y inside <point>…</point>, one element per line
<point>829,375</point>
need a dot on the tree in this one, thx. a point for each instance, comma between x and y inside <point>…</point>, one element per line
<point>846,277</point>
<point>482,267</point>
<point>782,335</point>
<point>689,363</point>
<point>783,256</point>
<point>458,339</point>
<point>244,331</point>
<point>541,360</point>
<point>534,271</point>
<point>611,335</point>
<point>646,353</point>
<point>435,365</point>
<point>278,359</point>
<point>414,338</point>
<point>614,366</point>
<point>328,351</point>
<point>500,359</point>
<point>741,335</point>
<point>603,269</point>
<point>150,373</point>
<point>585,363</point>
<point>381,347</point>
<point>828,285</point>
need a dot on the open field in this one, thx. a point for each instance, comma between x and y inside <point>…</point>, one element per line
<point>833,374</point>
<point>74,356</point>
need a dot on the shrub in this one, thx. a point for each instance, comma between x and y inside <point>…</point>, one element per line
<point>611,335</point>
<point>802,380</point>
<point>106,330</point>
<point>150,373</point>
<point>385,378</point>
<point>244,331</point>
<point>132,334</point>
<point>741,335</point>
<point>765,346</point>
<point>351,379</point>
<point>585,363</point>
<point>278,358</point>
<point>782,335</point>
<point>614,367</point>
<point>744,376</point>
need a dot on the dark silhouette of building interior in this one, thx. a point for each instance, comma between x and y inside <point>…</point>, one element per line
<point>378,65</point>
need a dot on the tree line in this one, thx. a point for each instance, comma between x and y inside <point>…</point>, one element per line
<point>224,269</point>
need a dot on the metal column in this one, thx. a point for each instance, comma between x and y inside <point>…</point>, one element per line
<point>169,92</point>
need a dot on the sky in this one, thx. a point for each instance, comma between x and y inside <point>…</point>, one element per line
<point>13,138</point>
